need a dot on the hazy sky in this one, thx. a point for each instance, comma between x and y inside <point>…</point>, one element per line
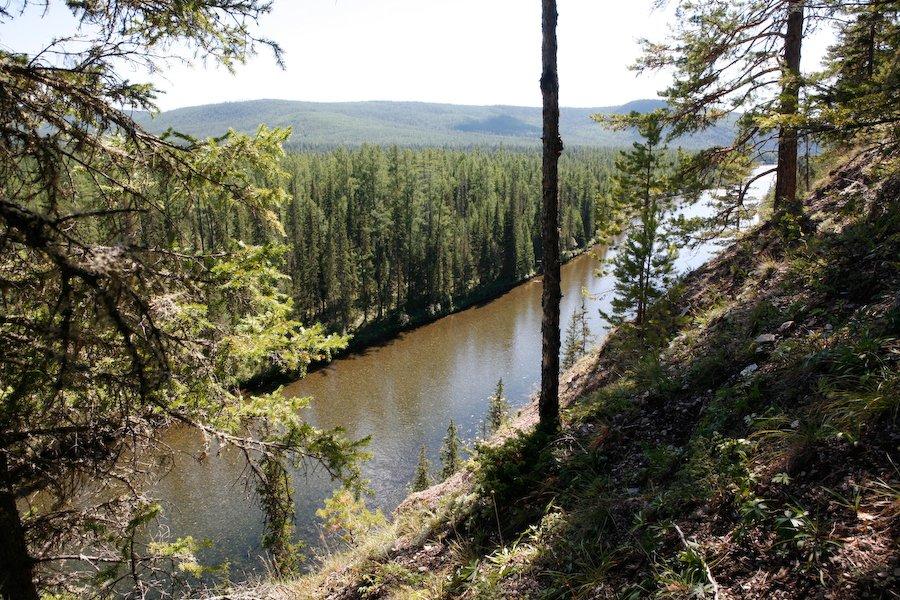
<point>458,51</point>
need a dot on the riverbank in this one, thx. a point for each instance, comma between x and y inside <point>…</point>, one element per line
<point>375,333</point>
<point>755,457</point>
<point>402,394</point>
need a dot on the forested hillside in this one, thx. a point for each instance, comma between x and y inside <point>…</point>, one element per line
<point>324,125</point>
<point>387,236</point>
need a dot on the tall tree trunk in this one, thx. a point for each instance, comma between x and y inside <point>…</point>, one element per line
<point>786,174</point>
<point>548,404</point>
<point>16,575</point>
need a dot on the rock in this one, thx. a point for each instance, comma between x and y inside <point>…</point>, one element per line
<point>749,370</point>
<point>765,338</point>
<point>828,327</point>
<point>786,326</point>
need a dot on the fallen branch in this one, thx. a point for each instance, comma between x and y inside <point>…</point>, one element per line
<point>709,575</point>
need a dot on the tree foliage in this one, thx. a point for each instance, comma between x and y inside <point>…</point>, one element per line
<point>451,451</point>
<point>578,336</point>
<point>857,98</point>
<point>498,409</point>
<point>647,189</point>
<point>742,59</point>
<point>422,477</point>
<point>378,236</point>
<point>119,316</point>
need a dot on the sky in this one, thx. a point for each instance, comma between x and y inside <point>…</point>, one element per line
<point>454,51</point>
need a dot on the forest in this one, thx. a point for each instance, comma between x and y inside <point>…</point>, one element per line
<point>377,236</point>
<point>378,233</point>
<point>326,125</point>
<point>730,433</point>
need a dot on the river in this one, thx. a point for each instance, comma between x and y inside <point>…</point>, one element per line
<point>403,394</point>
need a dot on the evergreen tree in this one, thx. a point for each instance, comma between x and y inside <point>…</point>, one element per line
<point>498,409</point>
<point>586,337</point>
<point>643,266</point>
<point>451,459</point>
<point>422,477</point>
<point>548,401</point>
<point>859,99</point>
<point>741,57</point>
<point>129,306</point>
<point>510,267</point>
<point>578,337</point>
<point>571,347</point>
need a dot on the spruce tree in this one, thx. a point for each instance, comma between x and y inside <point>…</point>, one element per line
<point>451,460</point>
<point>422,478</point>
<point>498,409</point>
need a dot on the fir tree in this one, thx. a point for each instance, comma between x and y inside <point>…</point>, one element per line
<point>498,409</point>
<point>422,478</point>
<point>570,345</point>
<point>451,460</point>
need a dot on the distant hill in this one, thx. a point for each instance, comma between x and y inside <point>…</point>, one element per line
<point>327,124</point>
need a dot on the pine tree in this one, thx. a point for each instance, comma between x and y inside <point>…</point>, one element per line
<point>422,478</point>
<point>498,409</point>
<point>548,402</point>
<point>644,265</point>
<point>451,460</point>
<point>742,58</point>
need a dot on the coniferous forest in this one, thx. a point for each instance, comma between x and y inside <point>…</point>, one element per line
<point>732,433</point>
<point>379,235</point>
<point>379,232</point>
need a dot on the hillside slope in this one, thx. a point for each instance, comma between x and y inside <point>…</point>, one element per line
<point>327,124</point>
<point>755,457</point>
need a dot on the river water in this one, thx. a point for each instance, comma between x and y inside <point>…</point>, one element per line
<point>403,394</point>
